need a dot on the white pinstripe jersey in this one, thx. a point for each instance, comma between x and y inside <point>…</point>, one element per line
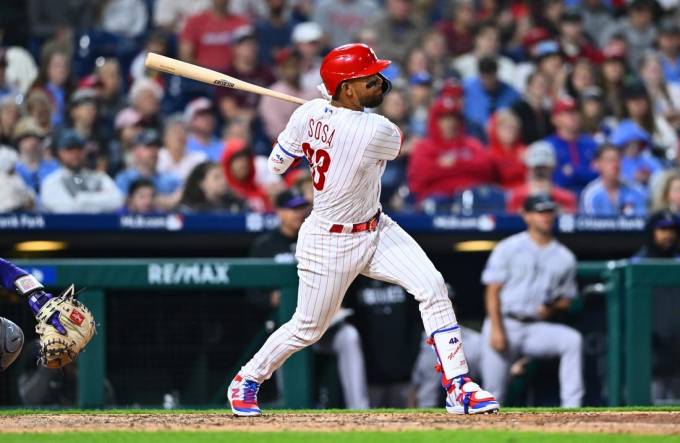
<point>347,151</point>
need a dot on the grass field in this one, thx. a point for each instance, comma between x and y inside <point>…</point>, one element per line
<point>513,425</point>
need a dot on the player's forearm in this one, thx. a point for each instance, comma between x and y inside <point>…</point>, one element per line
<point>493,305</point>
<point>9,272</point>
<point>280,160</point>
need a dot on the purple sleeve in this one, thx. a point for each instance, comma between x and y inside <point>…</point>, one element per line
<point>9,273</point>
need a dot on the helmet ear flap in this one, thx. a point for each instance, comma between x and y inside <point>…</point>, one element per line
<point>386,84</point>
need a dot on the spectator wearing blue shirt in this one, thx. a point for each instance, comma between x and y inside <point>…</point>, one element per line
<point>273,32</point>
<point>32,166</point>
<point>486,93</point>
<point>199,118</point>
<point>574,149</point>
<point>609,194</point>
<point>638,164</point>
<point>145,161</point>
<point>669,49</point>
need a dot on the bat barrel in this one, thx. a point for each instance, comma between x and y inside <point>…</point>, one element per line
<point>183,69</point>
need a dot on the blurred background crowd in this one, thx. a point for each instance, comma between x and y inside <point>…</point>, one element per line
<point>498,100</point>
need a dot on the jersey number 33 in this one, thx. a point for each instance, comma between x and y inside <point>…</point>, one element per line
<point>319,162</point>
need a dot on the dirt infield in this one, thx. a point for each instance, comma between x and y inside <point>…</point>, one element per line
<point>657,423</point>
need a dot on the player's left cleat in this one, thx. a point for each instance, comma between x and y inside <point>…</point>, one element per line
<point>463,396</point>
<point>242,396</point>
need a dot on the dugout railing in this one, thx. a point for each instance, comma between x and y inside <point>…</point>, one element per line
<point>629,292</point>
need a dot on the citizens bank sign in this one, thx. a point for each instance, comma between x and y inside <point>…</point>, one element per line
<point>188,274</point>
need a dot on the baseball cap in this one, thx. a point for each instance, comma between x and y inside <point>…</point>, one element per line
<point>614,52</point>
<point>669,28</point>
<point>539,203</point>
<point>664,220</point>
<point>291,199</point>
<point>306,32</point>
<point>83,95</point>
<point>69,138</point>
<point>535,36</point>
<point>571,15</point>
<point>565,104</point>
<point>633,90</point>
<point>540,153</point>
<point>592,93</point>
<point>420,79</point>
<point>126,118</point>
<point>195,106</point>
<point>148,137</point>
<point>242,34</point>
<point>27,127</point>
<point>546,49</point>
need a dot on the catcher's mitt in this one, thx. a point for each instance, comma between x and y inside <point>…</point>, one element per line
<point>57,350</point>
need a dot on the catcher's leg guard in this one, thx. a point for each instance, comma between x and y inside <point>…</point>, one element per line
<point>11,342</point>
<point>463,396</point>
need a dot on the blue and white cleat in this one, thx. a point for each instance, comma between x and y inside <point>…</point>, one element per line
<point>242,396</point>
<point>463,396</point>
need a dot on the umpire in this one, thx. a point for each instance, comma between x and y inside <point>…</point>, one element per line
<point>530,278</point>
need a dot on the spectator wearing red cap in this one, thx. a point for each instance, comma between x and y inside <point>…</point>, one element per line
<point>506,147</point>
<point>238,165</point>
<point>533,109</point>
<point>574,150</point>
<point>207,36</point>
<point>447,161</point>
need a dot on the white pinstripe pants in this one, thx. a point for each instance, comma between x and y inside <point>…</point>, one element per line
<point>327,265</point>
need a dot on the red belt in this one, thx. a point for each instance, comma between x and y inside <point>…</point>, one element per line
<point>370,225</point>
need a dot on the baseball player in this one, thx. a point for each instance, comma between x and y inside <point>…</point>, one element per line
<point>346,233</point>
<point>64,327</point>
<point>529,278</point>
<point>11,336</point>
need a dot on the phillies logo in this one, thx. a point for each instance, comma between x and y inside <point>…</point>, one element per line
<point>77,317</point>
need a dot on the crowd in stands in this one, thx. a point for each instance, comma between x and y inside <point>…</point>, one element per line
<point>497,99</point>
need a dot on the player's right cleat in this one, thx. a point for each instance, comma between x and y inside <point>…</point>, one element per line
<point>463,396</point>
<point>242,396</point>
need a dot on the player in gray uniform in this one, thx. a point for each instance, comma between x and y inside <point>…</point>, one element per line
<point>529,278</point>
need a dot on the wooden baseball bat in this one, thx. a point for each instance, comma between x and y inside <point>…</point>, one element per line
<point>183,69</point>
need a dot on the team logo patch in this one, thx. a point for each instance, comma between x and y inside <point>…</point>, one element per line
<point>76,317</point>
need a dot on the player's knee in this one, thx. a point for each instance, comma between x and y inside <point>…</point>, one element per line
<point>11,342</point>
<point>347,336</point>
<point>306,330</point>
<point>571,340</point>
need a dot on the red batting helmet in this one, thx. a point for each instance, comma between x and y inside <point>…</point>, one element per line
<point>347,62</point>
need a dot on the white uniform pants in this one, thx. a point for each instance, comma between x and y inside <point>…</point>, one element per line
<point>327,265</point>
